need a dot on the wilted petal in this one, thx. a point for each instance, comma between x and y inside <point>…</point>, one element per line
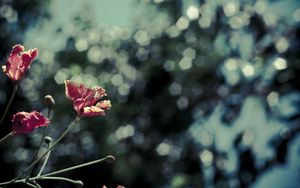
<point>24,122</point>
<point>38,120</point>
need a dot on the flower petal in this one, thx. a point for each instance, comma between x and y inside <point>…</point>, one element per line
<point>84,99</point>
<point>92,111</point>
<point>38,120</point>
<point>76,90</point>
<point>28,56</point>
<point>72,89</point>
<point>105,104</point>
<point>18,62</point>
<point>16,49</point>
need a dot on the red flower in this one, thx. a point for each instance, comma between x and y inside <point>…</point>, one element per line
<point>18,62</point>
<point>24,122</point>
<point>84,99</point>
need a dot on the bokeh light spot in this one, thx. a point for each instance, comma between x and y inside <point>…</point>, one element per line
<point>248,70</point>
<point>182,23</point>
<point>142,37</point>
<point>95,55</point>
<point>273,98</point>
<point>230,8</point>
<point>163,149</point>
<point>123,89</point>
<point>231,64</point>
<point>175,89</point>
<point>185,63</point>
<point>81,45</point>
<point>61,76</point>
<point>281,44</point>
<point>182,102</point>
<point>280,63</point>
<point>296,15</point>
<point>192,12</point>
<point>9,13</point>
<point>117,80</point>
<point>124,132</point>
<point>204,22</point>
<point>206,157</point>
<point>169,65</point>
<point>173,31</point>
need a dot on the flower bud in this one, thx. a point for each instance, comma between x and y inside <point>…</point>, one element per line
<point>110,158</point>
<point>79,183</point>
<point>48,140</point>
<point>49,101</point>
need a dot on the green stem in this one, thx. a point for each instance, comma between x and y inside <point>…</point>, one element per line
<point>49,112</point>
<point>75,167</point>
<point>39,148</point>
<point>9,102</point>
<point>25,181</point>
<point>77,182</point>
<point>7,136</point>
<point>42,140</point>
<point>29,184</point>
<point>50,148</point>
<point>46,176</point>
<point>32,182</point>
<point>45,162</point>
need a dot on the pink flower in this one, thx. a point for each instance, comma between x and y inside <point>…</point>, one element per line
<point>84,99</point>
<point>24,122</point>
<point>119,186</point>
<point>18,62</point>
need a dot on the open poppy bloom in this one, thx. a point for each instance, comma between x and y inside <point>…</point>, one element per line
<point>24,122</point>
<point>18,62</point>
<point>84,99</point>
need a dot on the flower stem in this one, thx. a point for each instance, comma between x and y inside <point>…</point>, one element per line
<point>49,112</point>
<point>75,167</point>
<point>39,148</point>
<point>108,158</point>
<point>50,148</point>
<point>9,102</point>
<point>77,182</point>
<point>29,184</point>
<point>32,182</point>
<point>45,162</point>
<point>7,136</point>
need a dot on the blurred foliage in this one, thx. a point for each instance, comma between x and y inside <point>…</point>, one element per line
<point>204,93</point>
